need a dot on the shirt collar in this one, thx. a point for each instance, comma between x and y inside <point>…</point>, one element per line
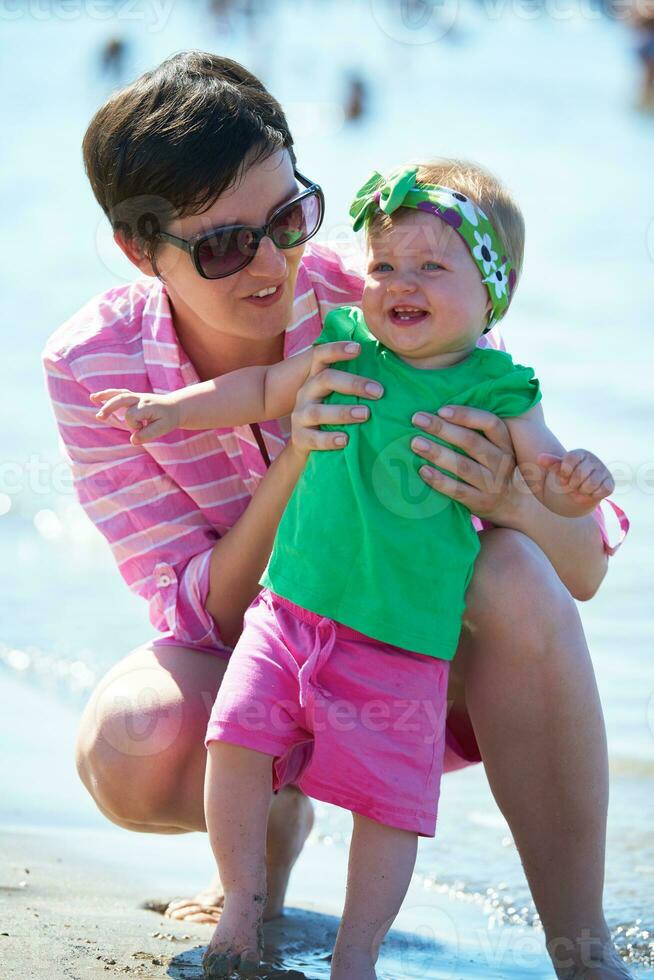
<point>166,362</point>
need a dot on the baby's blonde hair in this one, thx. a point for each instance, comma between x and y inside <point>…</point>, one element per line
<point>483,189</point>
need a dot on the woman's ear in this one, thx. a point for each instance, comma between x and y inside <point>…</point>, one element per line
<point>134,253</point>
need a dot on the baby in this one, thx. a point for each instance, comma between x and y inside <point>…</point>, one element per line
<point>338,682</point>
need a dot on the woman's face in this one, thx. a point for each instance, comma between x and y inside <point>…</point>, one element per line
<point>230,306</point>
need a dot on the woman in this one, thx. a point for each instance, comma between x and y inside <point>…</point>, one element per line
<point>199,145</point>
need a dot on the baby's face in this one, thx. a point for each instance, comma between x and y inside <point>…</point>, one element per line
<point>423,296</point>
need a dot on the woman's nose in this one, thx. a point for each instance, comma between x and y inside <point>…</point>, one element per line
<point>269,260</point>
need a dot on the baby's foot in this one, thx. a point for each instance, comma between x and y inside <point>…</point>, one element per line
<point>237,943</point>
<point>351,962</point>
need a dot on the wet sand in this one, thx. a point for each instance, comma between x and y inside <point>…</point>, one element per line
<point>68,913</point>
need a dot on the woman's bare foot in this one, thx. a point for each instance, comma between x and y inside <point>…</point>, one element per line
<point>598,961</point>
<point>289,825</point>
<point>206,906</point>
<point>237,943</point>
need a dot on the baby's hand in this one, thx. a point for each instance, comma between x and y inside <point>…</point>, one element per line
<point>581,475</point>
<point>149,416</point>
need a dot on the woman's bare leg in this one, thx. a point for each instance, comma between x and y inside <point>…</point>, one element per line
<point>141,756</point>
<point>532,700</point>
<point>237,795</point>
<point>381,863</point>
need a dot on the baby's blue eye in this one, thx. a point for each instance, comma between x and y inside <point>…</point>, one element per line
<point>430,266</point>
<point>383,267</point>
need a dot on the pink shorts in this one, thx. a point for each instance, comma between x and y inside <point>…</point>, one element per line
<point>348,719</point>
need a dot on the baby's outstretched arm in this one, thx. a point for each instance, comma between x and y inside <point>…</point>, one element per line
<point>251,394</point>
<point>570,484</point>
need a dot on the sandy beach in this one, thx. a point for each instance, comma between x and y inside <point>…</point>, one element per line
<point>70,914</point>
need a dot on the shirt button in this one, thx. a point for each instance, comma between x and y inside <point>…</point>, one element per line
<point>164,580</point>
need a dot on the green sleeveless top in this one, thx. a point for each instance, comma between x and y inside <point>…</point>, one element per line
<point>363,539</point>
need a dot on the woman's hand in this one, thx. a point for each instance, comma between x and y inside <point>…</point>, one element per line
<point>491,484</point>
<point>148,416</point>
<point>310,412</point>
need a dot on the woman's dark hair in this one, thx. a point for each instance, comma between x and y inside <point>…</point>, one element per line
<point>170,143</point>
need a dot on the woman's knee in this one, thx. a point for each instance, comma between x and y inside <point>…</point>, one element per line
<point>128,759</point>
<point>515,585</point>
<point>135,741</point>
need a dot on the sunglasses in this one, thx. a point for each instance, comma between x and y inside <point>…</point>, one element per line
<point>223,251</point>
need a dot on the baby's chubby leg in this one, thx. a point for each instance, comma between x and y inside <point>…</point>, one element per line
<point>381,863</point>
<point>237,795</point>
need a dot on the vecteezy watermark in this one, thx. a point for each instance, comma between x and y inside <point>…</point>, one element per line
<point>419,22</point>
<point>650,714</point>
<point>134,716</point>
<point>130,477</point>
<point>37,476</point>
<point>418,720</point>
<point>433,933</point>
<point>415,21</point>
<point>153,13</point>
<point>137,222</point>
<point>650,239</point>
<point>399,487</point>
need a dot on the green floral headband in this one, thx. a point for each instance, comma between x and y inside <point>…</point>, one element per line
<point>401,190</point>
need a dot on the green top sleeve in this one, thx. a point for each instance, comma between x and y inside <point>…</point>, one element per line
<point>512,390</point>
<point>514,394</point>
<point>339,325</point>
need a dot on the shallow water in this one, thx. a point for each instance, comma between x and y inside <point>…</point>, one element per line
<point>545,102</point>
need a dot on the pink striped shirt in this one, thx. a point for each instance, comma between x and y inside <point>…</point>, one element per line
<point>163,506</point>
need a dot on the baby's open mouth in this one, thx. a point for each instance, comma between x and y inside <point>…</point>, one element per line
<point>407,315</point>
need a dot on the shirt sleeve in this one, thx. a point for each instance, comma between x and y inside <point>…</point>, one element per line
<point>160,540</point>
<point>339,324</point>
<point>513,392</point>
<point>615,531</point>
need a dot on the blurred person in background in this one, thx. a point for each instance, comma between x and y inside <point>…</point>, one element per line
<point>357,98</point>
<point>642,18</point>
<point>112,57</point>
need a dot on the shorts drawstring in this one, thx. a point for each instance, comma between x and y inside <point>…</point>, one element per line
<point>316,660</point>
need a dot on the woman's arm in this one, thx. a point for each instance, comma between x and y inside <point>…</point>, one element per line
<point>251,394</point>
<point>491,486</point>
<point>240,556</point>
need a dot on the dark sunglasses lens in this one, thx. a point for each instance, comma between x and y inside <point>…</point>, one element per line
<point>297,222</point>
<point>227,252</point>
